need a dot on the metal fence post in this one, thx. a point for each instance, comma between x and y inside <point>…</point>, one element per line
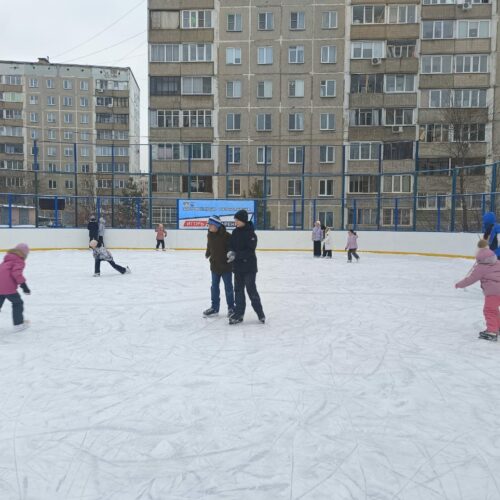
<point>303,187</point>
<point>227,172</point>
<point>342,203</point>
<point>379,187</point>
<point>75,160</point>
<point>294,214</point>
<point>354,215</point>
<point>113,185</point>
<point>98,205</point>
<point>493,187</point>
<point>9,201</point>
<point>264,190</point>
<point>138,213</point>
<point>453,199</point>
<point>396,213</point>
<point>314,211</point>
<point>35,151</point>
<point>415,186</point>
<point>190,158</point>
<point>56,211</point>
<point>150,188</point>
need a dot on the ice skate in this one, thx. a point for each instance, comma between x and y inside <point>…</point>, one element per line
<point>262,319</point>
<point>96,275</point>
<point>230,312</point>
<point>22,326</point>
<point>235,319</point>
<point>210,313</point>
<point>485,335</point>
<point>127,270</point>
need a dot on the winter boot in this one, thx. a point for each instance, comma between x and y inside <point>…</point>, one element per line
<point>96,275</point>
<point>22,326</point>
<point>127,270</point>
<point>230,312</point>
<point>210,312</point>
<point>262,319</point>
<point>488,336</point>
<point>235,319</point>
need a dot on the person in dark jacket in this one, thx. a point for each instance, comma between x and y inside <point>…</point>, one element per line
<point>217,249</point>
<point>491,230</point>
<point>243,243</point>
<point>93,228</point>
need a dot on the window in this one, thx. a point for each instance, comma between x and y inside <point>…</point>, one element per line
<point>365,117</point>
<point>437,64</point>
<point>329,20</point>
<point>326,218</point>
<point>234,187</point>
<point>166,184</point>
<point>294,187</point>
<point>166,118</point>
<point>11,131</point>
<point>84,119</point>
<point>328,54</point>
<point>33,83</point>
<point>68,184</point>
<point>120,184</point>
<point>34,134</point>
<point>165,53</point>
<point>263,122</point>
<point>234,22</point>
<point>33,99</point>
<point>364,150</point>
<point>12,165</point>
<point>68,117</point>
<point>436,30</point>
<point>296,154</point>
<point>49,83</point>
<point>391,217</point>
<point>84,151</point>
<point>439,2</point>
<point>326,187</point>
<point>52,167</point>
<point>363,184</point>
<point>84,102</point>
<point>402,14</point>
<point>85,168</point>
<point>191,19</point>
<point>201,85</point>
<point>367,84</point>
<point>14,114</point>
<point>68,152</point>
<point>67,101</point>
<point>84,85</point>
<point>164,19</point>
<point>399,116</point>
<point>457,98</point>
<point>233,121</point>
<point>435,132</point>
<point>471,63</point>
<point>401,49</point>
<point>469,132</point>
<point>266,21</point>
<point>296,54</point>
<point>327,154</point>
<point>327,121</point>
<point>11,80</point>
<point>52,184</point>
<point>293,219</point>
<point>51,118</point>
<point>297,21</point>
<point>233,55</point>
<point>84,136</point>
<point>265,89</point>
<point>51,100</point>
<point>296,121</point>
<point>11,97</point>
<point>260,186</point>
<point>51,134</point>
<point>198,184</point>
<point>104,101</point>
<point>328,88</point>
<point>265,55</point>
<point>367,50</point>
<point>33,117</point>
<point>368,14</point>
<point>186,52</point>
<point>198,151</point>
<point>233,89</point>
<point>296,88</point>
<point>399,83</point>
<point>397,184</point>
<point>473,29</point>
<point>68,135</point>
<point>67,85</point>
<point>401,150</point>
<point>264,155</point>
<point>234,154</point>
<point>104,183</point>
<point>165,85</point>
<point>431,201</point>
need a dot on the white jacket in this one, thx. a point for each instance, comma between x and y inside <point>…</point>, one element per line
<point>328,241</point>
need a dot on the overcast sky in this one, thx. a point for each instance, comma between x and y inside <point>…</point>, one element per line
<point>59,28</point>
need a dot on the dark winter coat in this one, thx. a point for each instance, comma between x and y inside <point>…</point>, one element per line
<point>244,242</point>
<point>217,248</point>
<point>93,228</point>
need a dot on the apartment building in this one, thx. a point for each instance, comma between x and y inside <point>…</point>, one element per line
<point>63,127</point>
<point>245,93</point>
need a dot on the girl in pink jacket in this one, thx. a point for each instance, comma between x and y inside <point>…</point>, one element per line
<point>352,245</point>
<point>487,271</point>
<point>11,276</point>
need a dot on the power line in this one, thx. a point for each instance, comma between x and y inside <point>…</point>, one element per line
<point>102,31</point>
<point>105,48</point>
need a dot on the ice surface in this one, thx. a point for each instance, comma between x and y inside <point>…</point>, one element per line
<point>367,382</point>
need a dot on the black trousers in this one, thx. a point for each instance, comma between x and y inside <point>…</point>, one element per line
<point>97,267</point>
<point>317,248</point>
<point>160,242</point>
<point>350,253</point>
<point>327,253</point>
<point>100,241</point>
<point>17,307</point>
<point>242,281</point>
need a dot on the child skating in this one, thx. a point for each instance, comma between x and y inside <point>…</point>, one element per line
<point>102,253</point>
<point>328,243</point>
<point>161,233</point>
<point>487,271</point>
<point>217,248</point>
<point>11,276</point>
<point>352,246</point>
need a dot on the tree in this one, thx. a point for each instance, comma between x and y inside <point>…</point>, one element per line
<point>130,206</point>
<point>256,192</point>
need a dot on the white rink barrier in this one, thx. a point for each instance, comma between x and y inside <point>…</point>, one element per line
<point>435,244</point>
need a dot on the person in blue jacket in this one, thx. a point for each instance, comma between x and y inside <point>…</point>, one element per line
<point>491,231</point>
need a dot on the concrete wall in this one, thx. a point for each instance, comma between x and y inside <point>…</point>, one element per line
<point>446,244</point>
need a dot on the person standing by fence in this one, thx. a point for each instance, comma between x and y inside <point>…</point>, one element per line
<point>102,228</point>
<point>317,237</point>
<point>161,233</point>
<point>93,228</point>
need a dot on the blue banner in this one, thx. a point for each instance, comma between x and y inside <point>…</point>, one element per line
<point>194,214</point>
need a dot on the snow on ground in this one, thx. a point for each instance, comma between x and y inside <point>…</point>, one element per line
<point>367,382</point>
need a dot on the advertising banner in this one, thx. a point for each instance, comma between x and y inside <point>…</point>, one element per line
<point>194,214</point>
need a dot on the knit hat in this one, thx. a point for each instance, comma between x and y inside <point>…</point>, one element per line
<point>241,215</point>
<point>215,220</point>
<point>23,248</point>
<point>93,244</point>
<point>482,244</point>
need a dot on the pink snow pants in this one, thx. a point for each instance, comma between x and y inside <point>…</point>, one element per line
<point>491,313</point>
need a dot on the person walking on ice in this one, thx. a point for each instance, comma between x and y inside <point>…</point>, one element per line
<point>161,233</point>
<point>352,245</point>
<point>243,243</point>
<point>11,276</point>
<point>328,243</point>
<point>487,271</point>
<point>101,253</point>
<point>217,249</point>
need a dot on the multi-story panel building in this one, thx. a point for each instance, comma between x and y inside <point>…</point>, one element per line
<point>59,120</point>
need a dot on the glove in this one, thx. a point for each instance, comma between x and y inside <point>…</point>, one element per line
<point>231,256</point>
<point>25,289</point>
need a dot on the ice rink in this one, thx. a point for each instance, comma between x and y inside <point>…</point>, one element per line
<point>367,382</point>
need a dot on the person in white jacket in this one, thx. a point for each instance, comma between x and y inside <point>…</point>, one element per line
<point>328,242</point>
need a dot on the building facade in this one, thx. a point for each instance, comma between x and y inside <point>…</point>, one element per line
<point>67,130</point>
